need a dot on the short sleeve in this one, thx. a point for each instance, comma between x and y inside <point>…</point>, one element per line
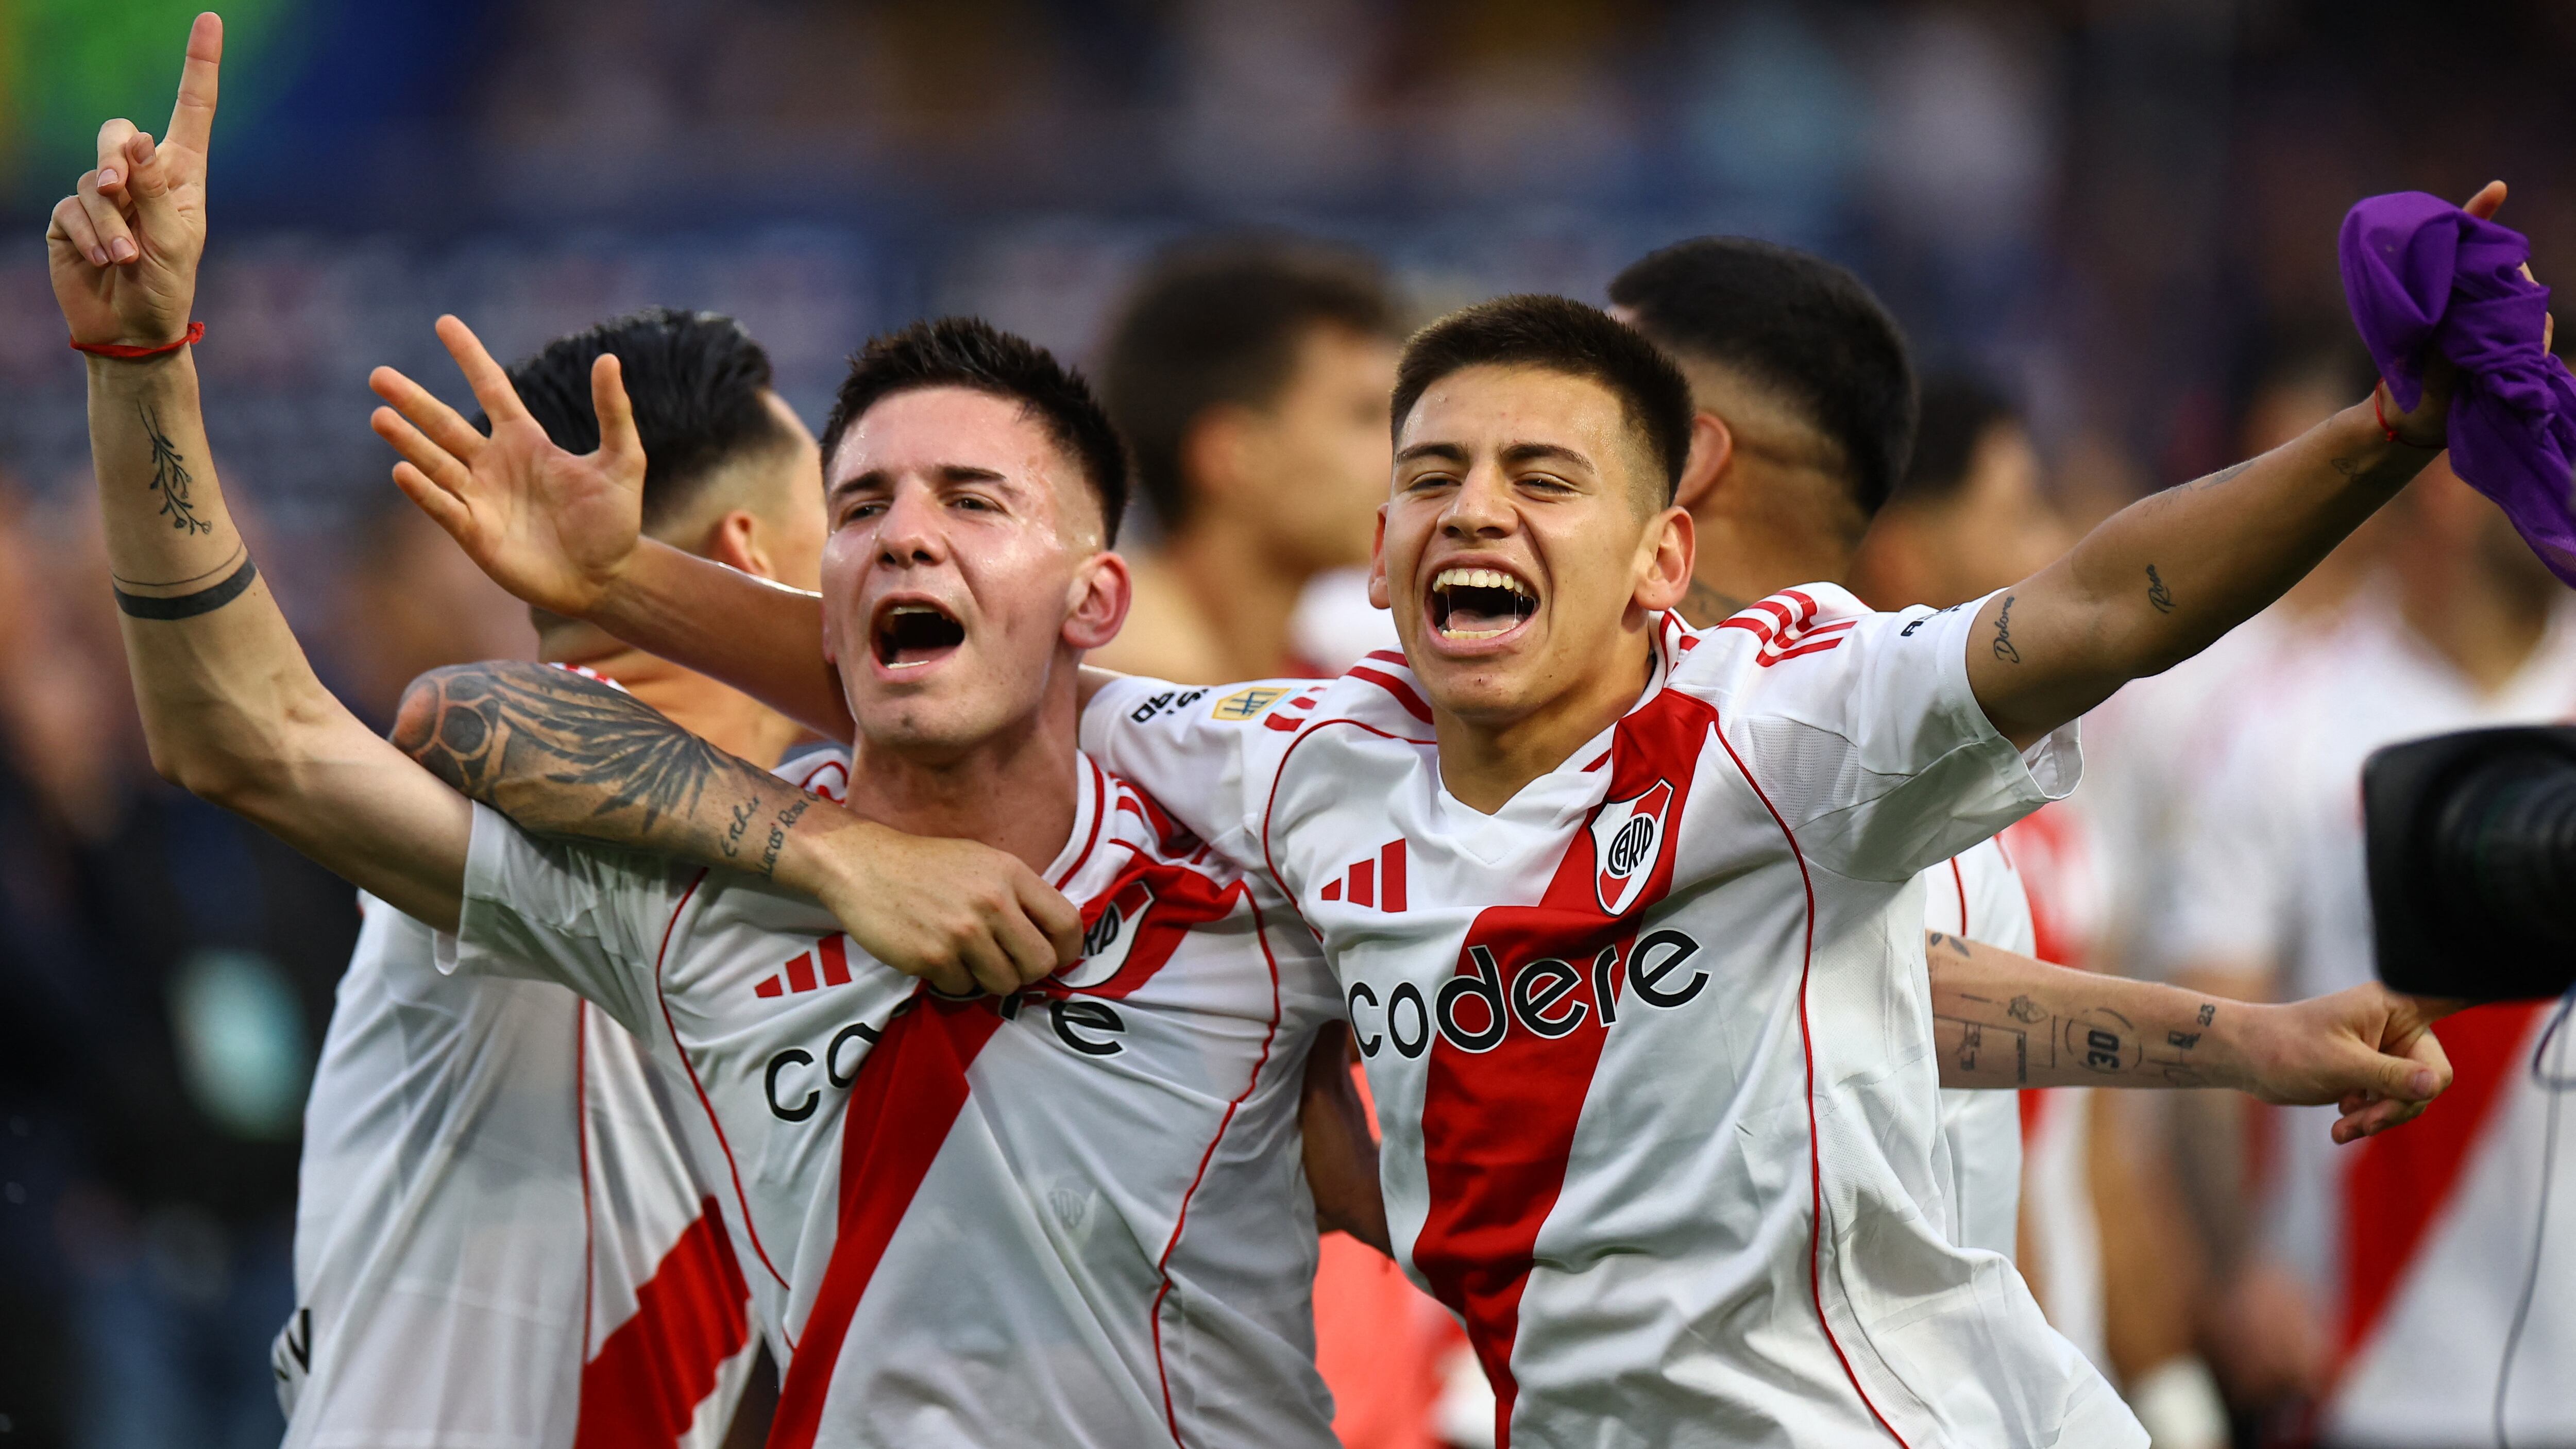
<point>1862,731</point>
<point>1207,755</point>
<point>561,911</point>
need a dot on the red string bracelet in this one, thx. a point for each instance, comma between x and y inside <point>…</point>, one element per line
<point>128,351</point>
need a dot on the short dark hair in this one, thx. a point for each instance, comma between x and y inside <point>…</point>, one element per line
<point>1220,322</point>
<point>970,352</point>
<point>1796,324</point>
<point>1959,410</point>
<point>696,380</point>
<point>1565,336</point>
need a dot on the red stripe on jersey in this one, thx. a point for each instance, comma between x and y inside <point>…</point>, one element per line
<point>836,961</point>
<point>1364,883</point>
<point>1807,1049</point>
<point>1333,889</point>
<point>2399,1182</point>
<point>1402,691</point>
<point>908,1095</point>
<point>1390,876</point>
<point>645,1385</point>
<point>1389,656</point>
<point>1959,883</point>
<point>1099,808</point>
<point>800,972</point>
<point>1498,1125</point>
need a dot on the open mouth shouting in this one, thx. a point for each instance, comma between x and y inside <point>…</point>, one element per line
<point>913,633</point>
<point>1469,605</point>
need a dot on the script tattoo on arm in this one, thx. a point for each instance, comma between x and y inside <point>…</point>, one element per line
<point>2158,594</point>
<point>170,476</point>
<point>568,756</point>
<point>2004,649</point>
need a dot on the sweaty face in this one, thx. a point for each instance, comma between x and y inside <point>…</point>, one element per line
<point>960,541</point>
<point>1318,452</point>
<point>1515,551</point>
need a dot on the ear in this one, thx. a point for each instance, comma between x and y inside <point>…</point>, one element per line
<point>1666,555</point>
<point>1097,601</point>
<point>1712,448</point>
<point>736,542</point>
<point>1381,594</point>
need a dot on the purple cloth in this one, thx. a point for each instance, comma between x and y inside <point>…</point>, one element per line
<point>2424,276</point>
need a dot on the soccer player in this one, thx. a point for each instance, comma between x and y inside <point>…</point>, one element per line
<point>524,1243</point>
<point>1062,1212</point>
<point>1249,378</point>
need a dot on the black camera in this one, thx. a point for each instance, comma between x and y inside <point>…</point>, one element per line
<point>2472,847</point>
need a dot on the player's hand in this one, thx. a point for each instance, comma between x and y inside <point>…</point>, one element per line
<point>2428,425</point>
<point>2369,1050</point>
<point>123,247</point>
<point>555,528</point>
<point>962,916</point>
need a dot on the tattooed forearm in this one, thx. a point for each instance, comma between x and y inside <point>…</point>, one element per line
<point>2004,649</point>
<point>2003,1020</point>
<point>565,755</point>
<point>170,476</point>
<point>2158,595</point>
<point>1703,606</point>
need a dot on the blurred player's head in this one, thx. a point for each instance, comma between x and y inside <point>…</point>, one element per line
<point>1530,531</point>
<point>973,488</point>
<point>729,471</point>
<point>1250,378</point>
<point>1804,393</point>
<point>1969,516</point>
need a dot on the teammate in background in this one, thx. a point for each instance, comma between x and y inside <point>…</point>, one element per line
<point>2102,1243</point>
<point>2395,1284</point>
<point>1100,1157</point>
<point>1249,378</point>
<point>525,1243</point>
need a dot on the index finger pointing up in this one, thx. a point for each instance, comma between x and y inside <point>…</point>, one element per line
<point>192,120</point>
<point>491,385</point>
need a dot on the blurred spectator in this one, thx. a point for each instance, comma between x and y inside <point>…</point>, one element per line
<point>2378,1287</point>
<point>1251,380</point>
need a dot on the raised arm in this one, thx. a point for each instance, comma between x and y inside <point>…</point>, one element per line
<point>564,755</point>
<point>563,531</point>
<point>2005,1020</point>
<point>230,706</point>
<point>2162,579</point>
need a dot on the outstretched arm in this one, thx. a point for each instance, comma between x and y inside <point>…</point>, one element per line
<point>2005,1020</point>
<point>230,706</point>
<point>563,531</point>
<point>564,755</point>
<point>2162,579</point>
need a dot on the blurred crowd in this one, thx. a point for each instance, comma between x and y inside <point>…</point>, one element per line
<point>2108,226</point>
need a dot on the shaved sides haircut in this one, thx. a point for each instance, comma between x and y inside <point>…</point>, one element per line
<point>698,385</point>
<point>1796,325</point>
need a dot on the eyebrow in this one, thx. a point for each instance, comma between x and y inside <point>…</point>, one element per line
<point>947,473</point>
<point>1512,453</point>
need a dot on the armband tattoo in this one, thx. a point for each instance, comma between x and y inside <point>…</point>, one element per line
<point>189,606</point>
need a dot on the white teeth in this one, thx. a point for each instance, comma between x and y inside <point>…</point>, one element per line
<point>912,609</point>
<point>1471,633</point>
<point>1479,579</point>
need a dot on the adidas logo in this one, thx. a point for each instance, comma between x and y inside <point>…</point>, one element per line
<point>828,964</point>
<point>1378,882</point>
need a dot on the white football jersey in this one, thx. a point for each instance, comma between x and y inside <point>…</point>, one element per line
<point>1077,1215</point>
<point>502,1238</point>
<point>1651,1044</point>
<point>2418,1243</point>
<point>1978,895</point>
